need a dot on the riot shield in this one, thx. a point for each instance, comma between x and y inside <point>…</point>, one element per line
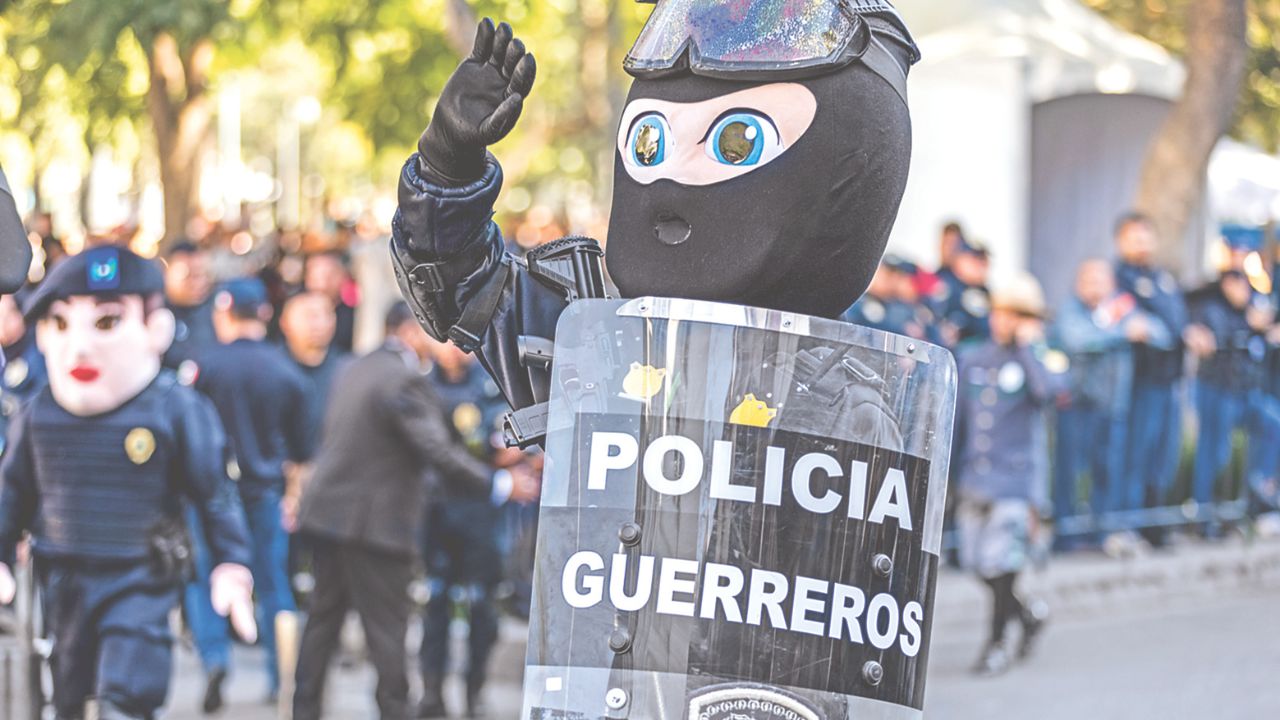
<point>741,516</point>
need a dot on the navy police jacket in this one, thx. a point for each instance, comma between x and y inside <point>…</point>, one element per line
<point>1239,362</point>
<point>264,402</point>
<point>1157,293</point>
<point>95,488</point>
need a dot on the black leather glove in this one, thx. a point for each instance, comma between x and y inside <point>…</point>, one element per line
<point>478,107</point>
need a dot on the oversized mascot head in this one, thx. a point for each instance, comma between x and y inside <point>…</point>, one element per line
<point>102,326</point>
<point>762,152</point>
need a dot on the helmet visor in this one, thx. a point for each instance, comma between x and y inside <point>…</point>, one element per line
<point>731,37</point>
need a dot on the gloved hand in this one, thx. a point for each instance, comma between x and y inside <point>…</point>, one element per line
<point>478,107</point>
<point>8,586</point>
<point>231,594</point>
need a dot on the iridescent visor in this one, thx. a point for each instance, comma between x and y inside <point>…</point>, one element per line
<point>731,38</point>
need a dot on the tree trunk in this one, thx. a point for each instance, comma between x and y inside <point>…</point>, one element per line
<point>1173,175</point>
<point>181,111</point>
<point>460,27</point>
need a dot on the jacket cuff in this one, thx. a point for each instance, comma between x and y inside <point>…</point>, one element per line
<point>417,176</point>
<point>439,222</point>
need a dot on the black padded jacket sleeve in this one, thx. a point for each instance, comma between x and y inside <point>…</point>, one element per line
<point>436,223</point>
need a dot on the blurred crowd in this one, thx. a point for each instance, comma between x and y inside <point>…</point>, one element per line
<point>361,476</point>
<point>1076,413</point>
<point>1135,358</point>
<point>371,485</point>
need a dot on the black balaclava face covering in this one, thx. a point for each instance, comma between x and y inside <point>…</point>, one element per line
<point>801,233</point>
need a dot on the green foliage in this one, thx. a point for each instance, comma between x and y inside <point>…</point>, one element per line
<point>1164,22</point>
<point>377,67</point>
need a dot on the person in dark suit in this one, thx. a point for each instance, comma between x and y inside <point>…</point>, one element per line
<point>362,508</point>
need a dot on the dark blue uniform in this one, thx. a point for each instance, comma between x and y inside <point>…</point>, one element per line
<point>964,308</point>
<point>192,332</point>
<point>96,493</point>
<point>1155,415</point>
<point>263,401</point>
<point>23,376</point>
<point>1228,394</point>
<point>895,316</point>
<point>320,380</point>
<point>461,536</point>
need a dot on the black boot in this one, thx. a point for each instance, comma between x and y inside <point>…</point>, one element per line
<point>432,705</point>
<point>994,660</point>
<point>475,700</point>
<point>213,691</point>
<point>1035,615</point>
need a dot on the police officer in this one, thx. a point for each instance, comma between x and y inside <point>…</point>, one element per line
<point>892,302</point>
<point>1007,384</point>
<point>308,322</point>
<point>960,300</point>
<point>263,402</point>
<point>24,372</point>
<point>1096,328</point>
<point>188,293</point>
<point>1155,425</point>
<point>461,540</point>
<point>1229,379</point>
<point>97,470</point>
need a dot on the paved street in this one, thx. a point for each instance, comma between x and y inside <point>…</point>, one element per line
<point>1210,651</point>
<point>1185,658</point>
<point>1198,658</point>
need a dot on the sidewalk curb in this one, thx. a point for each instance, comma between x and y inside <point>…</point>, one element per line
<point>1092,583</point>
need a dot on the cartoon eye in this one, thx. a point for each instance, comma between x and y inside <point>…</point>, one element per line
<point>107,323</point>
<point>743,138</point>
<point>647,140</point>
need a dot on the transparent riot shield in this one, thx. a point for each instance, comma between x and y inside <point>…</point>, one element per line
<point>741,516</point>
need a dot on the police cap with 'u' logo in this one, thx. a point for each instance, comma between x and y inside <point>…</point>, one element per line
<point>99,271</point>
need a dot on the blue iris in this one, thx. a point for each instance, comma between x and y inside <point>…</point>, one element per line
<point>649,141</point>
<point>738,139</point>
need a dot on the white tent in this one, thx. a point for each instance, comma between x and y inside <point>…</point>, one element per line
<point>1031,118</point>
<point>1244,185</point>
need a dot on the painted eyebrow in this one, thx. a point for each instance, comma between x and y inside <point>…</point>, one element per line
<point>643,115</point>
<point>735,111</point>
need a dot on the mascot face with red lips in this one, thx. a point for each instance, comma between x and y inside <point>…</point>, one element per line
<point>101,351</point>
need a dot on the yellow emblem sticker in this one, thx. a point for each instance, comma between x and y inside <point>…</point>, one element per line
<point>752,412</point>
<point>139,445</point>
<point>466,418</point>
<point>642,381</point>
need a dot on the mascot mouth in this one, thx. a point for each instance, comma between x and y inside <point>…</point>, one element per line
<point>672,230</point>
<point>84,373</point>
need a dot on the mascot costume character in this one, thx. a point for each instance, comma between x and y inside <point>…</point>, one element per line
<point>97,469</point>
<point>742,501</point>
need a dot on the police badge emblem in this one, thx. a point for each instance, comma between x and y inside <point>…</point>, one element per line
<point>976,302</point>
<point>139,445</point>
<point>16,372</point>
<point>748,702</point>
<point>1145,288</point>
<point>873,311</point>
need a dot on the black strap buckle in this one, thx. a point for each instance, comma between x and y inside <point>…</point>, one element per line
<point>466,340</point>
<point>526,426</point>
<point>428,275</point>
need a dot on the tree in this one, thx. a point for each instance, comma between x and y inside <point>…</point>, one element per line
<point>1173,174</point>
<point>1231,49</point>
<point>94,42</point>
